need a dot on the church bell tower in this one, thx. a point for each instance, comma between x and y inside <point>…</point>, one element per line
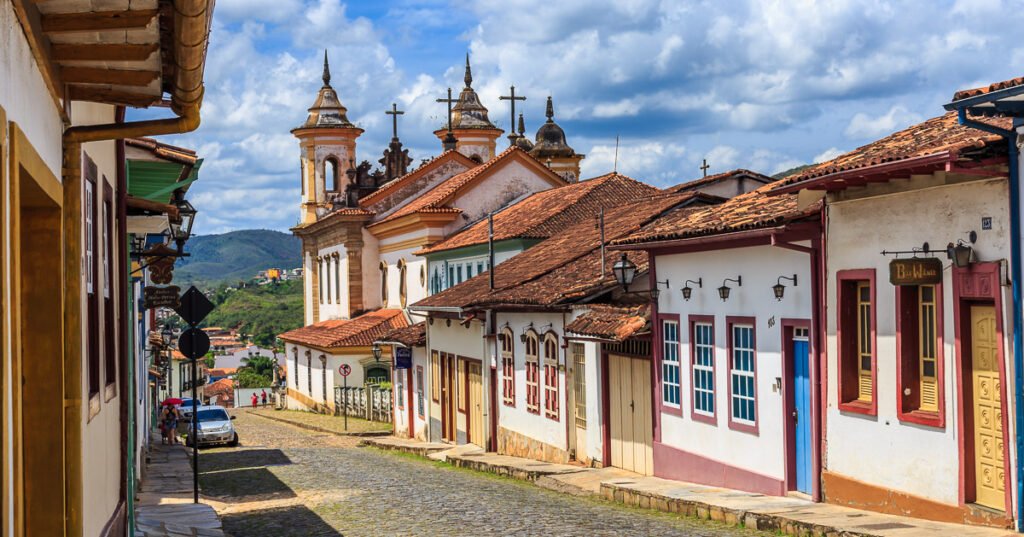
<point>475,135</point>
<point>327,141</point>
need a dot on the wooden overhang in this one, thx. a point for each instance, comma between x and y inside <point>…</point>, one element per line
<point>119,52</point>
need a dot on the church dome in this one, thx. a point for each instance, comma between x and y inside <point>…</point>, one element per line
<point>551,139</point>
<point>520,140</point>
<point>327,111</point>
<point>469,112</point>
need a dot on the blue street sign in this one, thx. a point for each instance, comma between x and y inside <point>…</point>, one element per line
<point>403,358</point>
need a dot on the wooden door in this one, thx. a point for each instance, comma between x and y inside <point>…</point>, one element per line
<point>988,417</point>
<point>475,404</point>
<point>632,435</point>
<point>447,397</point>
<point>801,384</point>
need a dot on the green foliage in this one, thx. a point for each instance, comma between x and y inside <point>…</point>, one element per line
<point>234,256</point>
<point>247,378</point>
<point>261,312</point>
<point>210,360</point>
<point>261,365</point>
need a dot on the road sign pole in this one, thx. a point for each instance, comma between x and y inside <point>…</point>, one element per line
<point>195,424</point>
<point>344,403</point>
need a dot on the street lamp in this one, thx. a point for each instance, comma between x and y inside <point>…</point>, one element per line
<point>780,289</point>
<point>687,290</point>
<point>166,334</point>
<point>182,230</point>
<point>723,291</point>
<point>962,254</point>
<point>624,271</point>
<point>376,351</point>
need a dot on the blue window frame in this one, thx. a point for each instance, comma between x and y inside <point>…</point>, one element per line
<point>704,369</point>
<point>670,363</point>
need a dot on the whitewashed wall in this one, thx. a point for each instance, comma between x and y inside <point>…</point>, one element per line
<point>857,231</point>
<point>467,341</point>
<point>760,268</point>
<point>512,180</point>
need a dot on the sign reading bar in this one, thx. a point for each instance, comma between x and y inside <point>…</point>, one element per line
<point>403,358</point>
<point>161,297</point>
<point>915,271</point>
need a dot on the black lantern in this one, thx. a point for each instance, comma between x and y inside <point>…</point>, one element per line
<point>961,254</point>
<point>624,271</point>
<point>377,351</point>
<point>166,334</point>
<point>655,293</point>
<point>723,291</point>
<point>522,337</point>
<point>780,289</point>
<point>182,230</point>
<point>688,291</point>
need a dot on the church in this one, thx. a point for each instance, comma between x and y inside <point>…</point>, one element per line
<point>361,228</point>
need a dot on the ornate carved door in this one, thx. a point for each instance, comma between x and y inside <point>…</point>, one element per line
<point>988,418</point>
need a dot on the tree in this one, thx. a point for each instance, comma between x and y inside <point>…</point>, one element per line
<point>260,365</point>
<point>246,378</point>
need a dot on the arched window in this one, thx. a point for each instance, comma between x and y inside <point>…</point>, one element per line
<point>508,368</point>
<point>384,284</point>
<point>331,174</point>
<point>402,285</point>
<point>337,277</point>
<point>551,375</point>
<point>323,377</point>
<point>532,373</point>
<point>294,368</point>
<point>327,276</point>
<point>309,373</point>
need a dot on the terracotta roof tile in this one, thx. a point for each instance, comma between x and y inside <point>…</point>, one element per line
<point>414,335</point>
<point>703,181</point>
<point>358,332</point>
<point>548,212</point>
<point>222,371</point>
<point>566,266</point>
<point>612,322</point>
<point>996,86</point>
<point>435,198</point>
<point>169,152</point>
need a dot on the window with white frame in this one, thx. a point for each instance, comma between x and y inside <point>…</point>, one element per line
<point>551,375</point>
<point>579,384</point>
<point>670,363</point>
<point>400,390</point>
<point>420,400</point>
<point>508,368</point>
<point>532,373</point>
<point>741,372</point>
<point>703,342</point>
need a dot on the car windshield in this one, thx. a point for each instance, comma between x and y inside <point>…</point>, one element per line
<point>213,414</point>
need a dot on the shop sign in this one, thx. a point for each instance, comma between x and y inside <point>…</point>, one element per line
<point>403,358</point>
<point>915,271</point>
<point>160,297</point>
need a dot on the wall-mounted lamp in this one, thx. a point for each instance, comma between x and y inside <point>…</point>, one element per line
<point>687,290</point>
<point>723,291</point>
<point>624,271</point>
<point>377,351</point>
<point>527,328</point>
<point>780,289</point>
<point>962,254</point>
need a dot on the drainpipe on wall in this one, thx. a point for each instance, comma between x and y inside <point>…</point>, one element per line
<point>1015,279</point>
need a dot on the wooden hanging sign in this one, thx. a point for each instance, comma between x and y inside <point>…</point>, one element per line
<point>915,271</point>
<point>161,297</point>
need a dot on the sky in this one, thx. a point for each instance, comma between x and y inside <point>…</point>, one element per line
<point>761,84</point>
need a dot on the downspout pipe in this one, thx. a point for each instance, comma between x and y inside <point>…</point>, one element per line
<point>1018,304</point>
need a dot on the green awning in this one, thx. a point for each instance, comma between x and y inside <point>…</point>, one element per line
<point>155,181</point>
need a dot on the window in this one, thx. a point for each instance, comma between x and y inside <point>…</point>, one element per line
<point>420,402</point>
<point>532,374</point>
<point>400,390</point>
<point>402,285</point>
<point>451,277</point>
<point>508,368</point>
<point>337,277</point>
<point>479,267</point>
<point>309,373</point>
<point>294,368</point>
<point>435,377</point>
<point>551,375</point>
<point>320,277</point>
<point>856,337</point>
<point>919,342</point>
<point>384,284</point>
<point>670,383</point>
<point>110,334</point>
<point>93,308</point>
<point>469,270</point>
<point>742,375</point>
<point>458,274</point>
<point>323,377</point>
<point>702,357</point>
<point>579,383</point>
<point>331,175</point>
<point>460,370</point>
<point>327,276</point>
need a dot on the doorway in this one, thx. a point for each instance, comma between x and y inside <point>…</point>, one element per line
<point>632,434</point>
<point>447,397</point>
<point>474,403</point>
<point>796,339</point>
<point>985,408</point>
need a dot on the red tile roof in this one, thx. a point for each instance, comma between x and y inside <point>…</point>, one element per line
<point>222,371</point>
<point>414,335</point>
<point>565,267</point>
<point>394,185</point>
<point>704,181</point>
<point>548,212</point>
<point>996,86</point>
<point>435,199</point>
<point>169,152</point>
<point>612,322</point>
<point>358,332</point>
<point>224,389</point>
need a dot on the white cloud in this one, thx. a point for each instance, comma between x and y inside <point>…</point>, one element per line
<point>827,154</point>
<point>863,126</point>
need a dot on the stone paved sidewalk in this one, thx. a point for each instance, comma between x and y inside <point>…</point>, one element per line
<point>788,516</point>
<point>164,507</point>
<point>324,423</point>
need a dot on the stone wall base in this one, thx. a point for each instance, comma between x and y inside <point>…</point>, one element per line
<point>520,445</point>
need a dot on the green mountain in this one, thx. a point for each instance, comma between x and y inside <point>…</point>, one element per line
<point>259,311</point>
<point>236,255</point>
<point>791,171</point>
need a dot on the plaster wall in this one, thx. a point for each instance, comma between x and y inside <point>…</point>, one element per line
<point>308,276</point>
<point>510,181</point>
<point>371,271</point>
<point>920,460</point>
<point>762,452</point>
<point>464,341</point>
<point>234,360</point>
<point>335,305</point>
<point>401,380</point>
<point>415,290</point>
<point>592,375</point>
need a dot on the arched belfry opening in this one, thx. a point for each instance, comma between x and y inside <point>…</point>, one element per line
<point>332,176</point>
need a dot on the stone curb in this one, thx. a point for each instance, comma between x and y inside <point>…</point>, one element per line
<point>505,470</point>
<point>412,450</point>
<point>321,429</point>
<point>733,517</point>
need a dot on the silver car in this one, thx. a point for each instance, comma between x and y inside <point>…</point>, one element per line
<point>215,426</point>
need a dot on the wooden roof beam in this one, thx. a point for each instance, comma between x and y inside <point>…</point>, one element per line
<point>96,21</point>
<point>121,52</point>
<point>99,94</point>
<point>114,77</point>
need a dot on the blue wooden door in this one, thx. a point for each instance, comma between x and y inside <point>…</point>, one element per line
<point>802,408</point>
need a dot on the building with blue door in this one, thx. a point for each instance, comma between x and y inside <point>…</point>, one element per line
<point>735,334</point>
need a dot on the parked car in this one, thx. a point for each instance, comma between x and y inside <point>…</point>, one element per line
<point>215,427</point>
<point>185,408</point>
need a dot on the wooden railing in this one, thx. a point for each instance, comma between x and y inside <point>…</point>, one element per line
<point>370,403</point>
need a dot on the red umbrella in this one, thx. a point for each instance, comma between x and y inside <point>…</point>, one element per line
<point>172,401</point>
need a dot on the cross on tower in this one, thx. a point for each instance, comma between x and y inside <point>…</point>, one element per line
<point>449,139</point>
<point>513,98</point>
<point>394,113</point>
<point>704,167</point>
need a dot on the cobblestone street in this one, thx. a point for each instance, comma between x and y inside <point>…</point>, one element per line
<point>285,481</point>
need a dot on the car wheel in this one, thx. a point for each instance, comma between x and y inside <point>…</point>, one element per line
<point>234,441</point>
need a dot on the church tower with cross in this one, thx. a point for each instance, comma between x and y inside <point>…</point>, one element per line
<point>475,135</point>
<point>552,149</point>
<point>328,149</point>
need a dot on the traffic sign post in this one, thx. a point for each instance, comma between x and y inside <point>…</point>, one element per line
<point>194,343</point>
<point>345,371</point>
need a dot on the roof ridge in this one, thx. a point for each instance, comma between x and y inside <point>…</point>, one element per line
<point>394,183</point>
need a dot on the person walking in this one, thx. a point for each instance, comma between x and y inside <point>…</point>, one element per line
<point>254,399</point>
<point>170,424</point>
<point>263,398</point>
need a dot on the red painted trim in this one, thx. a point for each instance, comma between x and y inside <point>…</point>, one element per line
<point>606,429</point>
<point>793,231</point>
<point>962,301</point>
<point>930,419</point>
<point>855,406</point>
<point>819,367</point>
<point>662,407</point>
<point>674,463</point>
<point>786,326</point>
<point>876,173</point>
<point>730,321</point>
<point>696,415</point>
<point>656,350</point>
